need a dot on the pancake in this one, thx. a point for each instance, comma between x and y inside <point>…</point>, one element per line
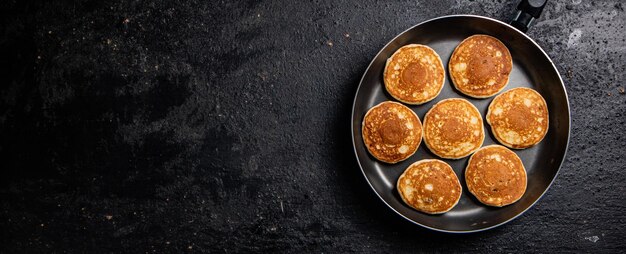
<point>414,74</point>
<point>518,118</point>
<point>429,186</point>
<point>453,128</point>
<point>495,176</point>
<point>391,131</point>
<point>480,66</point>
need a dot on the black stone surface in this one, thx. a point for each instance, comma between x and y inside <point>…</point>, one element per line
<point>175,126</point>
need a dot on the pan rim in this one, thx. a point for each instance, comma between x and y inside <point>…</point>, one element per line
<point>569,124</point>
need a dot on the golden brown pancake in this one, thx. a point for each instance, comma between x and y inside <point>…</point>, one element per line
<point>430,186</point>
<point>414,74</point>
<point>518,118</point>
<point>453,128</point>
<point>496,176</point>
<point>480,66</point>
<point>392,132</point>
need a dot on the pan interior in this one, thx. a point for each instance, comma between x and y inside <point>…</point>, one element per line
<point>531,68</point>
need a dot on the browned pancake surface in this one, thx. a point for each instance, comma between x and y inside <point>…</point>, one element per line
<point>414,74</point>
<point>518,118</point>
<point>430,186</point>
<point>392,132</point>
<point>453,129</point>
<point>496,176</point>
<point>480,66</point>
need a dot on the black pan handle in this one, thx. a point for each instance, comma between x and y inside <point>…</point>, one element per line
<point>527,11</point>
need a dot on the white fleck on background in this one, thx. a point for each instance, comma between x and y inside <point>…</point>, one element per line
<point>593,239</point>
<point>574,37</point>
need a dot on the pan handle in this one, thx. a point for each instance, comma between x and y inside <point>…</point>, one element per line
<point>527,11</point>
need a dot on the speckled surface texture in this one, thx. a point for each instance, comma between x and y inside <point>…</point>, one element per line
<point>208,126</point>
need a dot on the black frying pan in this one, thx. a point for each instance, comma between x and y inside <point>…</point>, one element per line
<point>531,68</point>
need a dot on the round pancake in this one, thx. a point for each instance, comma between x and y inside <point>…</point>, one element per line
<point>414,74</point>
<point>480,66</point>
<point>518,118</point>
<point>496,176</point>
<point>453,129</point>
<point>429,186</point>
<point>391,131</point>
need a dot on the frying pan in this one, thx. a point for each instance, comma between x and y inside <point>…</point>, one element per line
<point>531,68</point>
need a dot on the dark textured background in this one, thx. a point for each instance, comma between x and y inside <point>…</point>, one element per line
<point>221,126</point>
